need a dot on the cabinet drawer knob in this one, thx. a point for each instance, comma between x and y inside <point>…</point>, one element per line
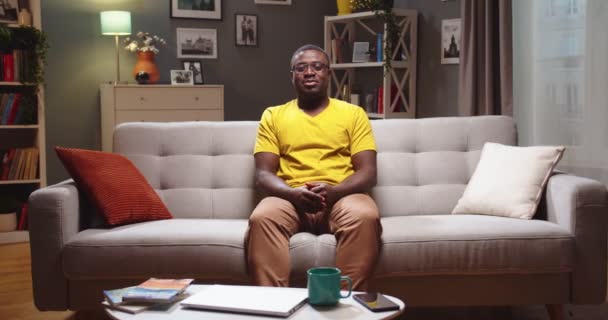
<point>196,98</point>
<point>142,98</point>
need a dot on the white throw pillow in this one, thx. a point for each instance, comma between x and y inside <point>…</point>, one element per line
<point>508,181</point>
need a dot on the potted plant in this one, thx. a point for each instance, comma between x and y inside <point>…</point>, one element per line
<point>384,10</point>
<point>8,213</point>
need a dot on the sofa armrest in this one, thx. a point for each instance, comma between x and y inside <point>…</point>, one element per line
<point>54,218</point>
<point>580,205</point>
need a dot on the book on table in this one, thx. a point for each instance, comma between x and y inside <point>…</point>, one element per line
<point>114,299</point>
<point>137,307</point>
<point>157,290</point>
<point>269,301</point>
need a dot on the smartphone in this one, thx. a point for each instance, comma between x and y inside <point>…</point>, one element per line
<point>375,301</point>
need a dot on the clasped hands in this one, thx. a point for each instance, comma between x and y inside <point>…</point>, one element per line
<point>314,197</point>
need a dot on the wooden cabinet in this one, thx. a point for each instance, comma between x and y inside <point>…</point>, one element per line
<point>22,136</point>
<point>157,103</point>
<point>392,90</point>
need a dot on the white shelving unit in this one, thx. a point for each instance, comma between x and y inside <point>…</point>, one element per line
<point>38,141</point>
<point>398,82</point>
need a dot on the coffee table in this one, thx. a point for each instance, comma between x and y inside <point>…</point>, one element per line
<point>346,309</point>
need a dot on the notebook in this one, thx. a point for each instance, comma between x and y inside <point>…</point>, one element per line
<point>269,301</point>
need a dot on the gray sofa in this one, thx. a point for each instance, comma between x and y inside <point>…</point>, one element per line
<point>203,171</point>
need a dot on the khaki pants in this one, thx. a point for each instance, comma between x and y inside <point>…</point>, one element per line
<point>354,220</point>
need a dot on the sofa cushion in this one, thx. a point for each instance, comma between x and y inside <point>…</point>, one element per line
<point>472,244</point>
<point>200,169</point>
<point>509,181</point>
<point>117,189</point>
<point>152,248</point>
<point>424,165</point>
<point>178,247</point>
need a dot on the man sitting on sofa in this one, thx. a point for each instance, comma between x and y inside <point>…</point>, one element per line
<point>315,159</point>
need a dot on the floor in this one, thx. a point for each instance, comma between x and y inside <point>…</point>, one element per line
<point>17,302</point>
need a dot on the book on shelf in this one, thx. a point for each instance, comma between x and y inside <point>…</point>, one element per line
<point>22,225</point>
<point>157,290</point>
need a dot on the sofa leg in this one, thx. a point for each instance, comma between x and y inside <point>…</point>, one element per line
<point>556,311</point>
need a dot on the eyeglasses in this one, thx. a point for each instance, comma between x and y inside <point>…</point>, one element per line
<point>315,66</point>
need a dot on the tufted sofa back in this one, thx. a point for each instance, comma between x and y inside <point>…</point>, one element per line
<point>206,169</point>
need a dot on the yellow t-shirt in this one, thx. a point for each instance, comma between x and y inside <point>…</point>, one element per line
<point>315,148</point>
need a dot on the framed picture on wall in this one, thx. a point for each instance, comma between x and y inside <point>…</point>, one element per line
<point>246,30</point>
<point>197,70</point>
<point>181,77</point>
<point>10,11</point>
<point>197,43</point>
<point>196,9</point>
<point>450,41</point>
<point>285,2</point>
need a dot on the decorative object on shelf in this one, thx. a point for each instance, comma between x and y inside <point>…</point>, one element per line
<point>8,214</point>
<point>285,2</point>
<point>344,7</point>
<point>10,10</point>
<point>450,41</point>
<point>116,23</point>
<point>361,51</point>
<point>146,47</point>
<point>197,9</point>
<point>246,30</point>
<point>32,44</point>
<point>146,66</point>
<point>182,77</point>
<point>197,70</point>
<point>196,43</point>
<point>25,18</point>
<point>383,9</point>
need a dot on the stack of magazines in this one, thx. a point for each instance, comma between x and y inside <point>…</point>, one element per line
<point>157,294</point>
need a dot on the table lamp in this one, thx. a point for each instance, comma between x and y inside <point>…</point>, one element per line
<point>116,23</point>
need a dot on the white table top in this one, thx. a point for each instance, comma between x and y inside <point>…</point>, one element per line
<point>346,309</point>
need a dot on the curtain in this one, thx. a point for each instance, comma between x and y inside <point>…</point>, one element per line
<point>561,80</point>
<point>486,61</point>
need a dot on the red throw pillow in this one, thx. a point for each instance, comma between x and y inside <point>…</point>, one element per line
<point>117,189</point>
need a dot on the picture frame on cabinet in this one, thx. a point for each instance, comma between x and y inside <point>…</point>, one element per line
<point>283,2</point>
<point>450,41</point>
<point>10,14</point>
<point>196,43</point>
<point>197,70</point>
<point>197,9</point>
<point>246,30</point>
<point>182,77</point>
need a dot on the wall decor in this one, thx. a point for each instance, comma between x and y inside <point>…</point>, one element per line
<point>197,70</point>
<point>182,77</point>
<point>450,41</point>
<point>285,2</point>
<point>196,9</point>
<point>10,11</point>
<point>246,30</point>
<point>197,43</point>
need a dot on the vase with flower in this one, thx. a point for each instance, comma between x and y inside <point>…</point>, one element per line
<point>146,47</point>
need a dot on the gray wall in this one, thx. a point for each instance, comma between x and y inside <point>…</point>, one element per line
<point>80,58</point>
<point>437,84</point>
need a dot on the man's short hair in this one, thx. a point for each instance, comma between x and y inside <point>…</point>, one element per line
<point>307,47</point>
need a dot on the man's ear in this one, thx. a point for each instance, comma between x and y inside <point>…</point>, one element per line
<point>291,77</point>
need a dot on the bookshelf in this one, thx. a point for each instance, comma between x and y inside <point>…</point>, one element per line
<point>26,133</point>
<point>384,92</point>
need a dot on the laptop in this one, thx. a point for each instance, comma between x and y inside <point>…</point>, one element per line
<point>267,301</point>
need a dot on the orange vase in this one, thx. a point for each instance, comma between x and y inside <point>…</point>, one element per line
<point>145,63</point>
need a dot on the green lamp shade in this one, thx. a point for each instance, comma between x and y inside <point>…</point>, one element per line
<point>115,23</point>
